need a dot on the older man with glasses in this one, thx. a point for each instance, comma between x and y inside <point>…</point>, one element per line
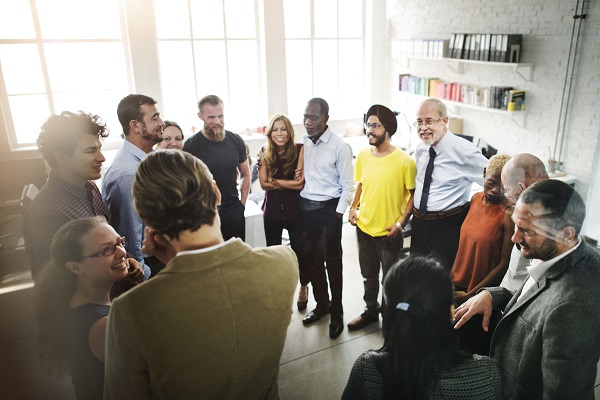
<point>447,166</point>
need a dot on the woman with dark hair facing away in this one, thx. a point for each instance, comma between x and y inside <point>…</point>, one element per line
<point>420,357</point>
<point>72,300</point>
<point>280,171</point>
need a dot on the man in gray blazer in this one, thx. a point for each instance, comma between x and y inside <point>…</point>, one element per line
<point>547,343</point>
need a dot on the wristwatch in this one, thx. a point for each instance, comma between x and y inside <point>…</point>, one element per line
<point>399,226</point>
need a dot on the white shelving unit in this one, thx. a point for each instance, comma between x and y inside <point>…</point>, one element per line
<point>525,70</point>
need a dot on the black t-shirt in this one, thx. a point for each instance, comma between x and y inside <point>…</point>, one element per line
<point>222,159</point>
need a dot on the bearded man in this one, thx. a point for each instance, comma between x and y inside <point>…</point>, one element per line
<point>143,128</point>
<point>224,153</point>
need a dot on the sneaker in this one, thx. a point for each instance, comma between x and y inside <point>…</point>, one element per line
<point>362,321</point>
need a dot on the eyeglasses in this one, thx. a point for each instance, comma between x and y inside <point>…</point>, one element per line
<point>313,118</point>
<point>110,249</point>
<point>375,126</point>
<point>428,123</point>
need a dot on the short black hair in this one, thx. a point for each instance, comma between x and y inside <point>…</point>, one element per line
<point>129,109</point>
<point>563,205</point>
<point>324,107</point>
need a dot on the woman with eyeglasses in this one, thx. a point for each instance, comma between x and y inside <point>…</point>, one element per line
<point>72,300</point>
<point>280,171</point>
<point>420,357</point>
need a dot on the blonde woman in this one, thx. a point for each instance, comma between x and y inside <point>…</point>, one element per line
<point>281,175</point>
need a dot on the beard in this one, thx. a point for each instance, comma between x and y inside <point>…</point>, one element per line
<point>546,251</point>
<point>215,133</point>
<point>378,140</point>
<point>151,137</point>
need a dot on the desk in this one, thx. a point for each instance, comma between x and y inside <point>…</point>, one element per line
<point>255,229</point>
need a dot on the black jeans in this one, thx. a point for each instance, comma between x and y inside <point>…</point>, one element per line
<point>233,222</point>
<point>273,231</point>
<point>322,230</point>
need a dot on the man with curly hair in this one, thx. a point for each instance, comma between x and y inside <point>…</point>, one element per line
<point>70,143</point>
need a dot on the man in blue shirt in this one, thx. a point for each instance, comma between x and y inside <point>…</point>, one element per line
<point>143,128</point>
<point>328,187</point>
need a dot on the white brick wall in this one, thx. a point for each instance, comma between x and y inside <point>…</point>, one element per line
<point>546,26</point>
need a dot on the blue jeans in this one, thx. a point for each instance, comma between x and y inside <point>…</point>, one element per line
<point>373,253</point>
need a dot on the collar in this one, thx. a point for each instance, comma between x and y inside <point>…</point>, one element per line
<point>67,187</point>
<point>537,268</point>
<point>441,145</point>
<point>325,137</point>
<point>133,149</point>
<point>204,249</point>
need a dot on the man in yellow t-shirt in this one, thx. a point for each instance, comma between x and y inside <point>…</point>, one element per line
<point>385,177</point>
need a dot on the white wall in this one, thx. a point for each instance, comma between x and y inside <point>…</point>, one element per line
<point>546,26</point>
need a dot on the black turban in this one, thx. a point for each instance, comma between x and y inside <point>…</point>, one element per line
<point>386,117</point>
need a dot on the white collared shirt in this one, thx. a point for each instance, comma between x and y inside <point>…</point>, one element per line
<point>457,165</point>
<point>537,268</point>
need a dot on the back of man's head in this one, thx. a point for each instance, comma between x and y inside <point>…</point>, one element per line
<point>527,166</point>
<point>173,192</point>
<point>61,132</point>
<point>129,109</point>
<point>563,206</point>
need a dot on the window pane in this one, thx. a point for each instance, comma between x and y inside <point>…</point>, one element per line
<point>350,20</point>
<point>325,15</point>
<point>76,19</point>
<point>97,66</point>
<point>299,77</point>
<point>297,18</point>
<point>172,19</point>
<point>326,73</point>
<point>240,19</point>
<point>28,114</point>
<point>176,75</point>
<point>207,19</point>
<point>351,79</point>
<point>244,85</point>
<point>15,20</point>
<point>103,103</point>
<point>211,68</point>
<point>21,69</point>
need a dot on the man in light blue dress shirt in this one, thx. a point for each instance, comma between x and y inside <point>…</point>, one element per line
<point>328,187</point>
<point>143,128</point>
<point>457,164</point>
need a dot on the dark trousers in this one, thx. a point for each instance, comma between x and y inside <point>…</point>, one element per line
<point>375,253</point>
<point>273,231</point>
<point>233,222</point>
<point>322,230</point>
<point>437,237</point>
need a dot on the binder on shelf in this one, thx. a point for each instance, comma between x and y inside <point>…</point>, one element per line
<point>466,47</point>
<point>451,46</point>
<point>498,48</point>
<point>516,100</point>
<point>485,47</point>
<point>477,45</point>
<point>513,48</point>
<point>492,50</point>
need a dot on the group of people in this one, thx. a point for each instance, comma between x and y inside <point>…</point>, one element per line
<point>220,301</point>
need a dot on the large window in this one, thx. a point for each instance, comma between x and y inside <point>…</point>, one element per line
<point>55,56</point>
<point>87,54</point>
<point>325,54</point>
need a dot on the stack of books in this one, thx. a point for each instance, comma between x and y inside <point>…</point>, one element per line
<point>486,47</point>
<point>504,98</point>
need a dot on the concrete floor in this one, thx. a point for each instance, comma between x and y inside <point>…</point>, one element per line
<point>313,366</point>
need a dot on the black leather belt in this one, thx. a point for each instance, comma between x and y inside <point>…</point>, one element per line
<point>434,215</point>
<point>307,205</point>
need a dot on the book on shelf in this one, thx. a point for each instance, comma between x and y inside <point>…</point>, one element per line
<point>516,100</point>
<point>485,47</point>
<point>459,45</point>
<point>451,46</point>
<point>476,48</point>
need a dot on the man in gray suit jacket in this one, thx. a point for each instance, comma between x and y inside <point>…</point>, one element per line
<point>547,343</point>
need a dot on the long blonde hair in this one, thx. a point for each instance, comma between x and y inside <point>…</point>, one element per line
<point>270,153</point>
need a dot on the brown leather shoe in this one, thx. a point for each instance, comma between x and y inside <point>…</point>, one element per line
<point>362,321</point>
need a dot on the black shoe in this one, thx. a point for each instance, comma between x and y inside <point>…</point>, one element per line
<point>303,304</point>
<point>315,315</point>
<point>336,327</point>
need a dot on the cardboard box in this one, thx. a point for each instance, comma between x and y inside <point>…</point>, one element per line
<point>455,125</point>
